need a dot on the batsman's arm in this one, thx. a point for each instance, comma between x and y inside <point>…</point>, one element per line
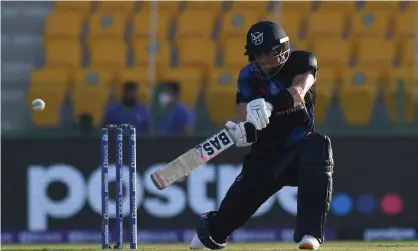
<point>302,69</point>
<point>300,86</point>
<point>240,112</point>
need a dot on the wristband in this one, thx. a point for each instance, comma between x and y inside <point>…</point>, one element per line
<point>282,101</point>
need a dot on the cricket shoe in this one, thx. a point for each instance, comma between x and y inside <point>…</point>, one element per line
<point>196,244</point>
<point>309,242</point>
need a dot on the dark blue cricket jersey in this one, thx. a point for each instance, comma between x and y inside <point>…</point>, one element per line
<point>285,127</point>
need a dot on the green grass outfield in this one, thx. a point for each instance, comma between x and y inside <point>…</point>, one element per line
<point>329,246</point>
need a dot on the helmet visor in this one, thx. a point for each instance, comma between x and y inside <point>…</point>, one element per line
<point>268,64</point>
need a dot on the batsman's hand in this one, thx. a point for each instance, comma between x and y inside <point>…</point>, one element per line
<point>237,131</point>
<point>258,113</point>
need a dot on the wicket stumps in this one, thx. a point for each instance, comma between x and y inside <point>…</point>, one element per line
<point>120,131</point>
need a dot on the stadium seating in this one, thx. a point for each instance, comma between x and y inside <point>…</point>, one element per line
<point>220,101</point>
<point>293,27</point>
<point>214,7</point>
<point>233,52</point>
<point>237,23</point>
<point>295,7</point>
<point>399,94</point>
<point>92,77</point>
<point>256,6</point>
<point>199,52</point>
<point>327,80</point>
<point>63,53</point>
<point>190,79</point>
<point>374,23</point>
<point>82,102</point>
<point>408,51</point>
<point>138,75</point>
<point>142,26</point>
<point>345,7</point>
<point>327,24</point>
<point>381,5</point>
<point>380,52</point>
<point>405,24</point>
<point>201,44</point>
<point>293,21</point>
<point>357,102</point>
<point>299,44</point>
<point>332,51</point>
<point>82,7</point>
<point>221,93</point>
<point>107,25</point>
<point>169,6</point>
<point>143,49</point>
<point>88,85</point>
<point>187,25</point>
<point>64,25</point>
<point>358,93</point>
<point>126,7</point>
<point>225,76</point>
<point>108,53</point>
<point>51,85</point>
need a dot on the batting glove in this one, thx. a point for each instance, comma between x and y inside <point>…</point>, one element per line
<point>237,131</point>
<point>258,113</point>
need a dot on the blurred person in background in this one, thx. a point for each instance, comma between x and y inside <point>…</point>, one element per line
<point>130,111</point>
<point>177,119</point>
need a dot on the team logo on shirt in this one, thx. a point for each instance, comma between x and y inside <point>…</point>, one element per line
<point>273,89</point>
<point>257,38</point>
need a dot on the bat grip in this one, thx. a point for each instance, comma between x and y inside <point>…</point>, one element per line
<point>251,132</point>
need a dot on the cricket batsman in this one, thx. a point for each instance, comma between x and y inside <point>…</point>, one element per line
<point>276,94</point>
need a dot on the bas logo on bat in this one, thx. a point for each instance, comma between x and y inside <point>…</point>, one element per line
<point>216,144</point>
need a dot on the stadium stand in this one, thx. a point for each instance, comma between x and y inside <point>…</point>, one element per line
<point>233,53</point>
<point>191,80</point>
<point>188,27</point>
<point>66,24</point>
<point>88,84</point>
<point>199,52</point>
<point>205,56</point>
<point>107,25</point>
<point>358,93</point>
<point>142,24</point>
<point>325,91</point>
<point>220,94</point>
<point>51,84</point>
<point>400,94</point>
<point>138,75</point>
<point>332,51</point>
<point>320,26</point>
<point>160,50</point>
<point>235,23</point>
<point>376,51</point>
<point>83,8</point>
<point>214,7</point>
<point>108,53</point>
<point>126,7</point>
<point>373,23</point>
<point>63,53</point>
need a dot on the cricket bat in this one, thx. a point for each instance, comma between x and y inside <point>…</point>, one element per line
<point>192,159</point>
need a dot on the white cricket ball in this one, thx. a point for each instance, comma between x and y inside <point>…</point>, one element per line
<point>38,104</point>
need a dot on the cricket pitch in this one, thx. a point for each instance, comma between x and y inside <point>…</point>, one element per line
<point>329,246</point>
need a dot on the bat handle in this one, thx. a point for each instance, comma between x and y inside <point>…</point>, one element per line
<point>251,132</point>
